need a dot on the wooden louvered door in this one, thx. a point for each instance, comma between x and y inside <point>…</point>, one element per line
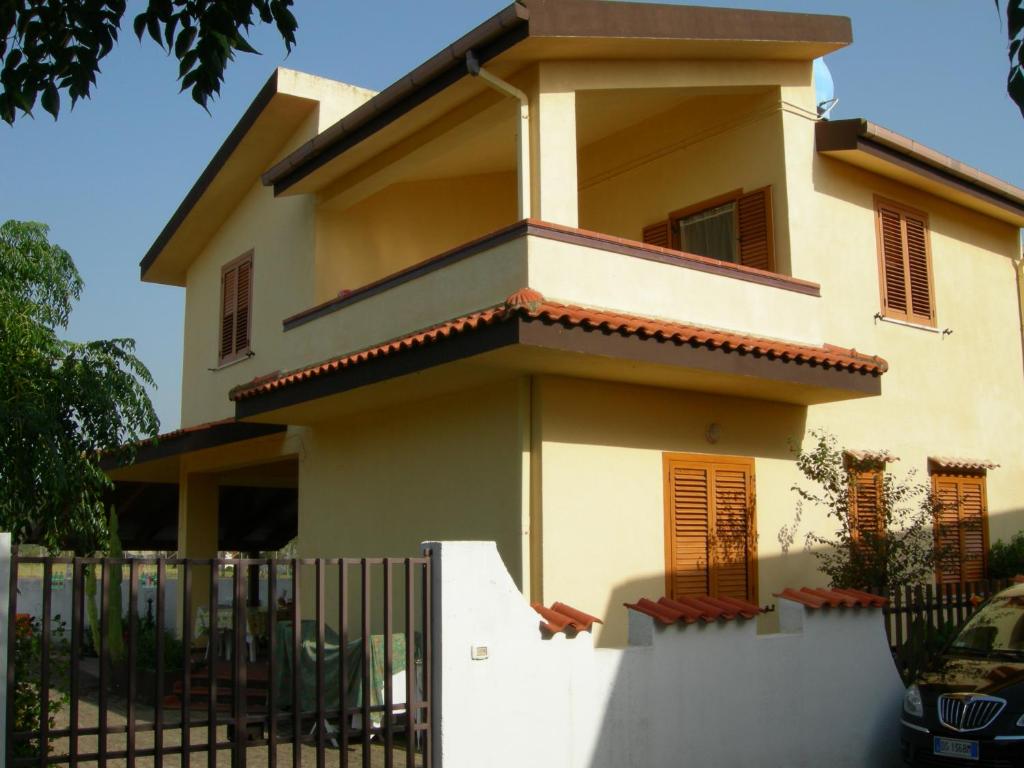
<point>905,263</point>
<point>709,531</point>
<point>235,308</point>
<point>961,527</point>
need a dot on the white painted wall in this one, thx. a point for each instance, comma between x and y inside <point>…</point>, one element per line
<point>823,691</point>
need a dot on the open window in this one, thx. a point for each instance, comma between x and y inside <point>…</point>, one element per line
<point>735,227</point>
<point>235,309</point>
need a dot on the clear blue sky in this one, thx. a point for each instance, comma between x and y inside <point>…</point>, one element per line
<point>108,175</point>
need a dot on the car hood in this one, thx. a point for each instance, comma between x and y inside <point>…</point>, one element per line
<point>987,676</point>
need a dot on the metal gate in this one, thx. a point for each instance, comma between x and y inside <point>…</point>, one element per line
<point>215,662</point>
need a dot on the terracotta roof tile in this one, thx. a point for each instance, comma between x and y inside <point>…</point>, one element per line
<point>881,457</point>
<point>691,609</point>
<point>530,305</point>
<point>832,598</point>
<point>564,618</point>
<point>950,462</point>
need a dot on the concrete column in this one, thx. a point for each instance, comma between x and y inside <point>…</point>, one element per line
<point>553,177</point>
<point>197,533</point>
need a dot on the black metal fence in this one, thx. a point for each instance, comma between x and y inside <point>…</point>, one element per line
<point>316,675</point>
<point>939,607</point>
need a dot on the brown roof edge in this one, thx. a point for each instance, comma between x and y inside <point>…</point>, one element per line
<point>194,438</point>
<point>551,18</point>
<point>209,173</point>
<point>858,133</point>
<point>498,33</point>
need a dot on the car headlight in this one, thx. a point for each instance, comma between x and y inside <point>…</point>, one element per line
<point>912,703</point>
<point>1020,721</point>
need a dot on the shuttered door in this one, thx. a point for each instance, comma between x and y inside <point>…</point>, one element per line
<point>754,227</point>
<point>960,530</point>
<point>658,234</point>
<point>709,527</point>
<point>905,264</point>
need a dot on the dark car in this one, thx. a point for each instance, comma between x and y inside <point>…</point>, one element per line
<point>968,709</point>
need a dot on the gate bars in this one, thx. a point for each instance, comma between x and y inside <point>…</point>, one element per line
<point>244,704</point>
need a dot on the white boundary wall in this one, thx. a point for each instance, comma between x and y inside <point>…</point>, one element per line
<point>821,692</point>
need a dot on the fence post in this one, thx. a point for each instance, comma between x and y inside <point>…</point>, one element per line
<point>5,590</point>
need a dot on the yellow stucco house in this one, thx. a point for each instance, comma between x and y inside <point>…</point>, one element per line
<point>578,284</point>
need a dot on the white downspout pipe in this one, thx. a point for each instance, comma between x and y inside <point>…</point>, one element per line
<point>522,129</point>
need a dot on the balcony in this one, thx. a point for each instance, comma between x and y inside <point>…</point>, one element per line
<point>597,307</point>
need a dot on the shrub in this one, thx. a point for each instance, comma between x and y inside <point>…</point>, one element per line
<point>26,710</point>
<point>1006,560</point>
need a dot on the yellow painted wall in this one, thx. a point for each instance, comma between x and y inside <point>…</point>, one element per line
<point>445,468</point>
<point>405,224</point>
<point>638,176</point>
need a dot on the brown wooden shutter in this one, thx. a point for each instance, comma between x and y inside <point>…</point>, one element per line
<point>730,568</point>
<point>658,234</point>
<point>867,503</point>
<point>918,271</point>
<point>235,308</point>
<point>905,263</point>
<point>228,301</point>
<point>709,527</point>
<point>242,313</point>
<point>960,527</point>
<point>754,227</point>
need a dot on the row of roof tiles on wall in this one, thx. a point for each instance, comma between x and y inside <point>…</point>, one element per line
<point>529,304</point>
<point>704,608</point>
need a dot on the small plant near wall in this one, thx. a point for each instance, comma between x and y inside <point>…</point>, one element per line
<point>1006,559</point>
<point>888,542</point>
<point>26,710</point>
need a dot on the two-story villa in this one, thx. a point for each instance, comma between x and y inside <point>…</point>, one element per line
<point>579,284</point>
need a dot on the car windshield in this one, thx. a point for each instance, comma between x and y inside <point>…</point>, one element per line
<point>998,628</point>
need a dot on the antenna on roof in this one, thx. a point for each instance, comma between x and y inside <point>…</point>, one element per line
<point>824,89</point>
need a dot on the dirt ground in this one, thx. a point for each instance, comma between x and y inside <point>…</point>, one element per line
<point>255,756</point>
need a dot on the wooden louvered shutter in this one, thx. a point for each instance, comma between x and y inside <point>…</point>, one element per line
<point>235,308</point>
<point>688,529</point>
<point>730,568</point>
<point>754,229</point>
<point>905,263</point>
<point>658,234</point>
<point>709,527</point>
<point>960,523</point>
<point>867,503</point>
<point>228,302</point>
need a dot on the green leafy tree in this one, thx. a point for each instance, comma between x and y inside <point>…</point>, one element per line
<point>1015,50</point>
<point>50,47</point>
<point>1006,558</point>
<point>899,550</point>
<point>62,403</point>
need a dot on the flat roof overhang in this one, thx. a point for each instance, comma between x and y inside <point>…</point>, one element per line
<point>536,30</point>
<point>524,346</point>
<point>158,460</point>
<point>867,145</point>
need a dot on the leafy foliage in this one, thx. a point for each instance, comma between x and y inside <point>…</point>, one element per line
<point>924,644</point>
<point>26,709</point>
<point>62,403</point>
<point>902,548</point>
<point>53,46</point>
<point>1006,559</point>
<point>1015,50</point>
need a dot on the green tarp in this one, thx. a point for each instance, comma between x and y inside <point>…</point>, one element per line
<point>332,668</point>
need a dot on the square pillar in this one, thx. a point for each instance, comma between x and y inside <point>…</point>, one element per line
<point>197,536</point>
<point>554,187</point>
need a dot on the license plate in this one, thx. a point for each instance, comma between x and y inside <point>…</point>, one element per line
<point>967,750</point>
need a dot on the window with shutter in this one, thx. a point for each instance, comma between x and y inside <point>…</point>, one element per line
<point>734,227</point>
<point>709,527</point>
<point>961,526</point>
<point>235,308</point>
<point>866,508</point>
<point>904,258</point>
